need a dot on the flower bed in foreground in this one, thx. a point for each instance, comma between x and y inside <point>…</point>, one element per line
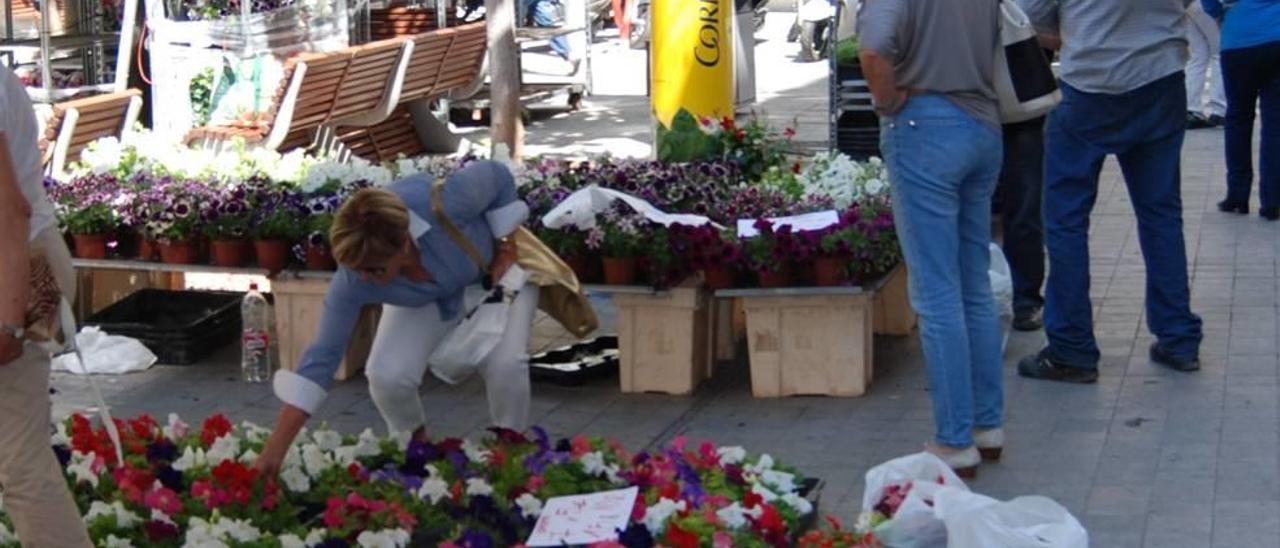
<point>181,486</point>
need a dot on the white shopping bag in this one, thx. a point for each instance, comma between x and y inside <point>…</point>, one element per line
<point>1002,290</point>
<point>977,521</point>
<point>105,354</point>
<point>915,525</point>
<point>479,332</point>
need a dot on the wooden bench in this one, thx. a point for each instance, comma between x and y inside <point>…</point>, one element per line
<point>355,86</point>
<point>443,60</point>
<point>76,123</point>
<point>401,19</point>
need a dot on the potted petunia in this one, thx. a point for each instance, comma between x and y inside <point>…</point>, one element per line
<point>617,237</point>
<point>175,219</point>
<point>279,223</point>
<point>570,244</point>
<point>775,252</point>
<point>712,251</point>
<point>86,208</point>
<point>320,212</point>
<point>227,224</point>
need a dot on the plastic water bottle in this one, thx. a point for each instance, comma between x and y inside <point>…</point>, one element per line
<point>255,339</point>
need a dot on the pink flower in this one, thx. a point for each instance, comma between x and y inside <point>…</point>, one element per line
<point>722,540</point>
<point>534,484</point>
<point>164,500</point>
<point>581,445</point>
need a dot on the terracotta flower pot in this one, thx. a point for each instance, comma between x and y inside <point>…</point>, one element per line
<point>230,253</point>
<point>780,277</point>
<point>148,249</point>
<point>720,277</point>
<point>90,246</point>
<point>620,271</point>
<point>179,251</point>
<point>273,255</point>
<point>830,271</point>
<point>320,257</point>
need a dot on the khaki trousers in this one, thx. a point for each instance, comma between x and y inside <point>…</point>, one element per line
<point>35,491</point>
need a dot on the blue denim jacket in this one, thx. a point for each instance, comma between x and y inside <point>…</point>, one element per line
<point>480,200</point>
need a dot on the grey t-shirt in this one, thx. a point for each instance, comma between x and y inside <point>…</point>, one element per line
<point>1115,46</point>
<point>946,47</point>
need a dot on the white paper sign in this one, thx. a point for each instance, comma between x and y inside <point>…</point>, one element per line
<point>798,223</point>
<point>581,207</point>
<point>584,519</point>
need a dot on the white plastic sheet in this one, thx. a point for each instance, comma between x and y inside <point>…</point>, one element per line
<point>977,521</point>
<point>581,208</point>
<point>915,525</point>
<point>105,355</point>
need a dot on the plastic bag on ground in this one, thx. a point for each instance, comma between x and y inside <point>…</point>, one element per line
<point>1002,290</point>
<point>977,521</point>
<point>915,525</point>
<point>105,354</point>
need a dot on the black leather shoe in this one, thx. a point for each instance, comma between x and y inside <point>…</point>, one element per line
<point>1196,121</point>
<point>1217,121</point>
<point>1029,320</point>
<point>1269,213</point>
<point>1227,206</point>
<point>1039,366</point>
<point>1163,357</point>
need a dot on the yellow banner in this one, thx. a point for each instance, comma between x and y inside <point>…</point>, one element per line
<point>692,56</point>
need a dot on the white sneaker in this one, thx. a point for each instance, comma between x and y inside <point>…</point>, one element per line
<point>990,443</point>
<point>963,461</point>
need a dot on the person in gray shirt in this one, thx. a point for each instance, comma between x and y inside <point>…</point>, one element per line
<point>931,69</point>
<point>1124,95</point>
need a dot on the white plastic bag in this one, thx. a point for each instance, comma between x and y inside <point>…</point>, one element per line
<point>916,524</point>
<point>977,521</point>
<point>1002,290</point>
<point>479,332</point>
<point>105,354</point>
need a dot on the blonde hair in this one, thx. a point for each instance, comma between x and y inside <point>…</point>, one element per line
<point>369,227</point>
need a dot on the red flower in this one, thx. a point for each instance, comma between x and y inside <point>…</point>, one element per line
<point>751,500</point>
<point>789,132</point>
<point>795,168</point>
<point>727,124</point>
<point>581,445</point>
<point>740,135</point>
<point>158,531</point>
<point>164,500</point>
<point>215,427</point>
<point>670,491</point>
<point>679,538</point>
<point>133,482</point>
<point>144,427</point>
<point>234,474</point>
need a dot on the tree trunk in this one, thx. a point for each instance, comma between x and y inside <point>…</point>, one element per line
<point>505,125</point>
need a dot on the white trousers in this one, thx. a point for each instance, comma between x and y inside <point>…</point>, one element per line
<point>1205,45</point>
<point>407,336</point>
<point>35,490</point>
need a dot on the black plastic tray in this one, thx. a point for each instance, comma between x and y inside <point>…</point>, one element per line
<point>586,360</point>
<point>180,327</point>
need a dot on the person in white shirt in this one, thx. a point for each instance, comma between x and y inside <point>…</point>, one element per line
<point>35,491</point>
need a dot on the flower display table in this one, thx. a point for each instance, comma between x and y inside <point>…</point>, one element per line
<point>299,303</point>
<point>808,341</point>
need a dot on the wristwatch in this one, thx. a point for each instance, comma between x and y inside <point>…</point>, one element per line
<point>17,333</point>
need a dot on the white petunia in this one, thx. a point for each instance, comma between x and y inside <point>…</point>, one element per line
<point>765,462</point>
<point>249,457</point>
<point>161,517</point>
<point>291,541</point>
<point>60,436</point>
<point>530,506</point>
<point>874,187</point>
<point>81,469</point>
<point>191,459</point>
<point>113,541</point>
<point>764,492</point>
<point>225,448</point>
<point>176,429</point>
<point>253,433</point>
<point>315,461</point>
<point>389,538</point>
<point>295,480</point>
<point>475,453</point>
<point>800,504</point>
<point>784,482</point>
<point>477,487</point>
<point>237,529</point>
<point>731,455</point>
<point>656,516</point>
<point>734,516</point>
<point>327,440</point>
<point>316,537</point>
<point>434,490</point>
<point>594,464</point>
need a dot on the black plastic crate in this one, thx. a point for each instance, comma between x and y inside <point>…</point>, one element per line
<point>575,364</point>
<point>180,327</point>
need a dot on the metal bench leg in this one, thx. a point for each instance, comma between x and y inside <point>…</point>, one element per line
<point>435,135</point>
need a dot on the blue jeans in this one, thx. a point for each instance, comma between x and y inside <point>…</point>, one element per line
<point>1250,75</point>
<point>1144,128</point>
<point>1019,191</point>
<point>943,164</point>
<point>543,14</point>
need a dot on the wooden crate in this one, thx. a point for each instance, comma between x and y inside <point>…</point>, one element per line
<point>893,314</point>
<point>663,340</point>
<point>298,305</point>
<point>809,344</point>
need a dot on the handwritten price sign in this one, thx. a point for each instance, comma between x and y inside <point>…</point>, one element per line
<point>584,519</point>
